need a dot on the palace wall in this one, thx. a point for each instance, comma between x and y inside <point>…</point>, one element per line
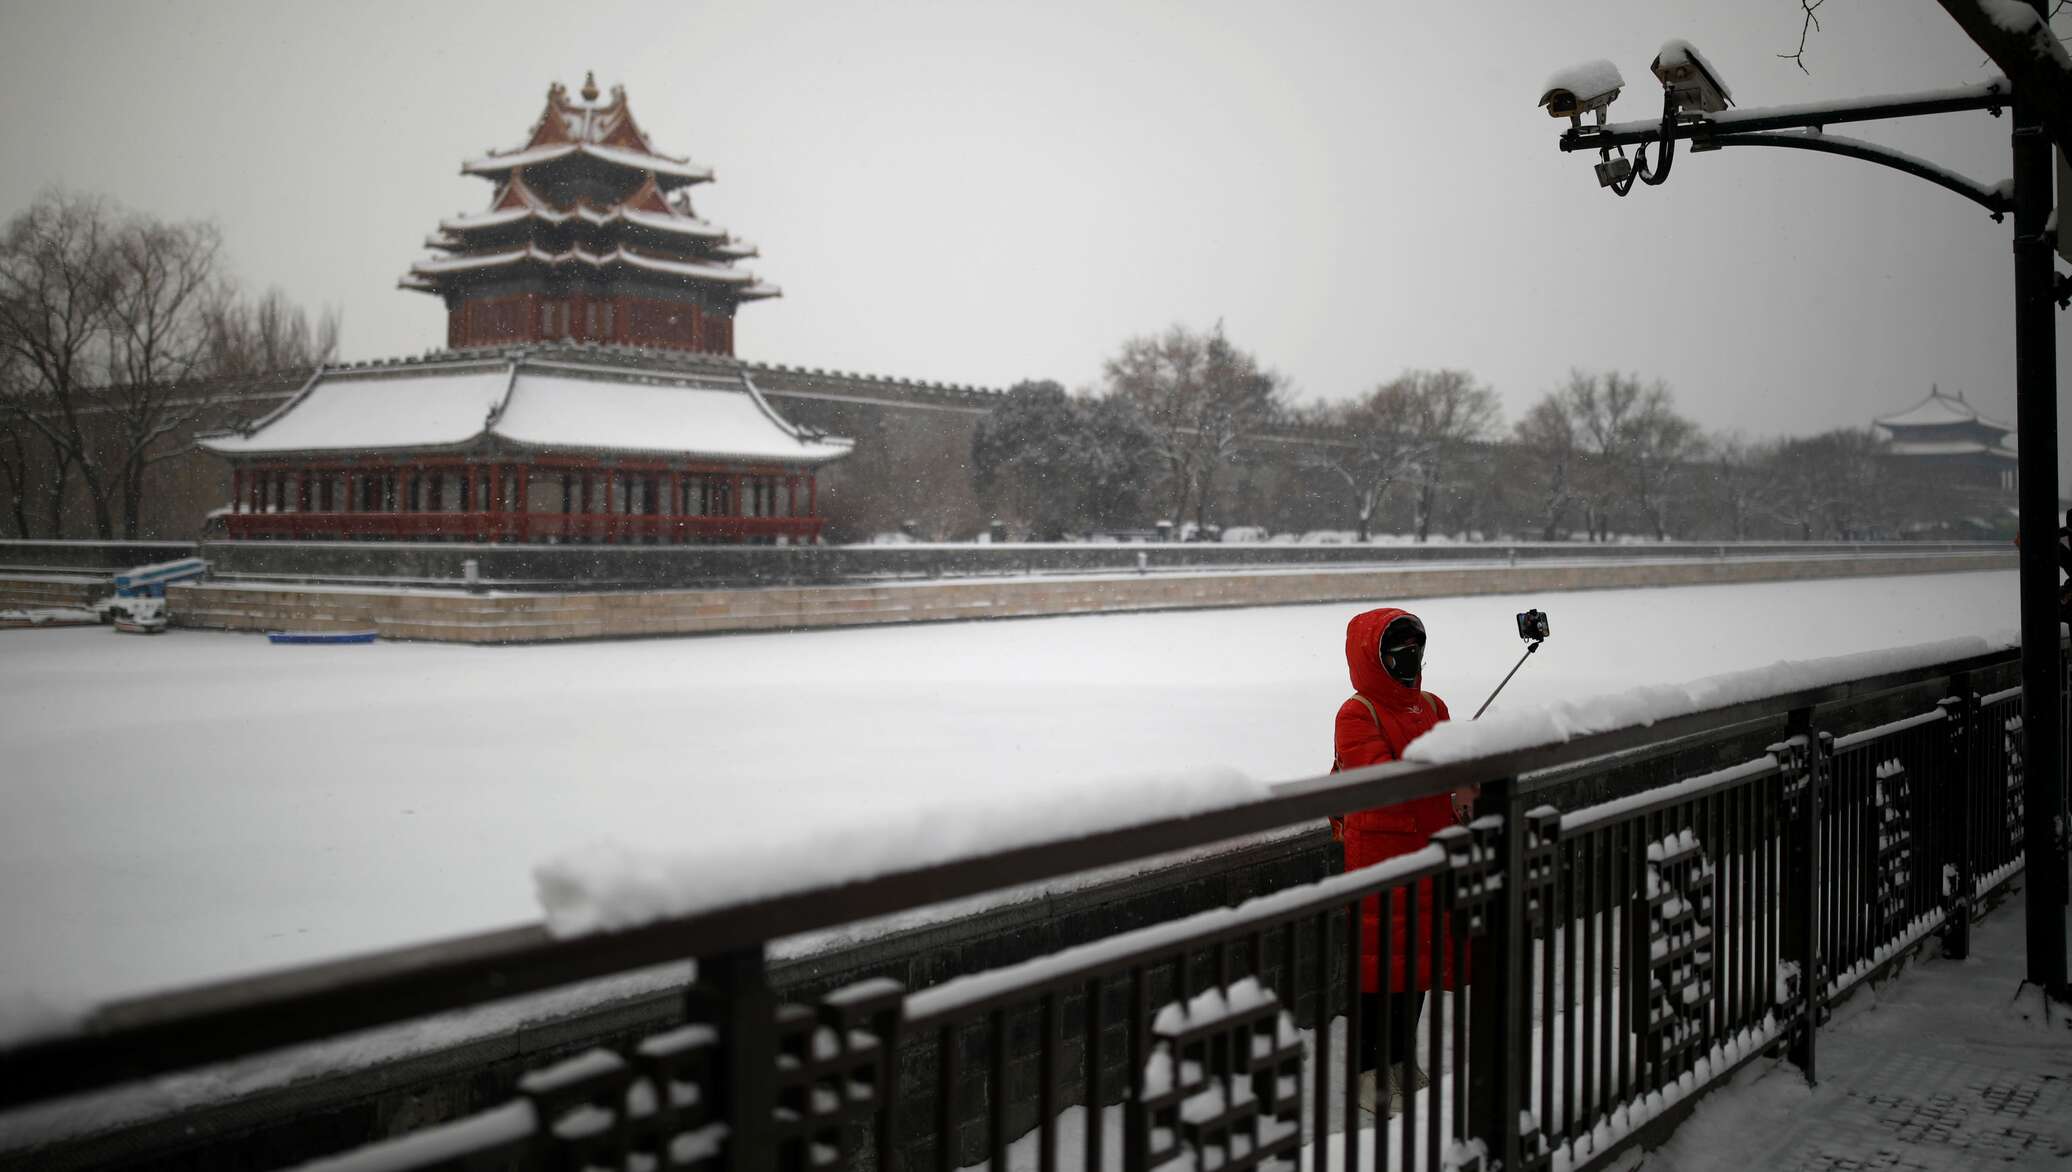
<point>910,471</point>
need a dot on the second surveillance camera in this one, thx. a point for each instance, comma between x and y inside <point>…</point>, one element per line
<point>1691,82</point>
<point>1580,88</point>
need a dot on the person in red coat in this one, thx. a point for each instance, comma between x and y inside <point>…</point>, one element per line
<point>1384,652</point>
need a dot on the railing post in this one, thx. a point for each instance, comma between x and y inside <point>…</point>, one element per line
<point>746,1011</point>
<point>1804,780</point>
<point>1498,998</point>
<point>1959,876</point>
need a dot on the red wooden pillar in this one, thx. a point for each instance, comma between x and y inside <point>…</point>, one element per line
<point>521,499</point>
<point>237,489</point>
<point>500,490</point>
<point>665,483</point>
<point>611,493</point>
<point>812,490</point>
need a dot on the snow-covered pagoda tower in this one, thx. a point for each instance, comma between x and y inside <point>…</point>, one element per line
<point>590,393</point>
<point>589,238</point>
<point>1946,435</point>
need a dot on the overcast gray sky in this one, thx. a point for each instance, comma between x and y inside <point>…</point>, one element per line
<point>980,192</point>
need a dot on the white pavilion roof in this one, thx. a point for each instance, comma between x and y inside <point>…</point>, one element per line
<point>1937,410</point>
<point>537,403</point>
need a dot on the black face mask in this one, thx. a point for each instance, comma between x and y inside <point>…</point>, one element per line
<point>1402,651</point>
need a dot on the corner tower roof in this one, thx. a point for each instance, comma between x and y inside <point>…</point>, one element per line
<point>1940,410</point>
<point>587,209</point>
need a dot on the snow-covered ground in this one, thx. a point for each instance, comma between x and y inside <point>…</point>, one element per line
<point>1953,1065</point>
<point>199,805</point>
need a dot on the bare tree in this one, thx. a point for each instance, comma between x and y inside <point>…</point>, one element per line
<point>55,289</point>
<point>1829,484</point>
<point>1202,399</point>
<point>1741,481</point>
<point>1629,444</point>
<point>1661,449</point>
<point>14,454</point>
<point>1547,436</point>
<point>1448,411</point>
<point>267,335</point>
<point>163,299</point>
<point>1369,447</point>
<point>113,330</point>
<point>1602,407</point>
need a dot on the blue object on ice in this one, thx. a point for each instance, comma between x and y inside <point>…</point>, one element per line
<point>320,636</point>
<point>151,581</point>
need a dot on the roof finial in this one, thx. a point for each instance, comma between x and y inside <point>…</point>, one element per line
<point>589,85</point>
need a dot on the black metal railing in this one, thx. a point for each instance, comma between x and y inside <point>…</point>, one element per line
<point>1570,978</point>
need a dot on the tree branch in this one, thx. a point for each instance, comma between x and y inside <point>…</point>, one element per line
<point>1809,26</point>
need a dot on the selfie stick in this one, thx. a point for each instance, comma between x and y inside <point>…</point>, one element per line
<point>1529,649</point>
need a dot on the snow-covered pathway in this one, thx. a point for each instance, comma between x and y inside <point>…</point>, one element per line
<point>1946,1067</point>
<point>200,805</point>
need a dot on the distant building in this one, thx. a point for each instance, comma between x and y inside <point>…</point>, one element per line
<point>1956,466</point>
<point>589,238</point>
<point>1945,435</point>
<point>563,410</point>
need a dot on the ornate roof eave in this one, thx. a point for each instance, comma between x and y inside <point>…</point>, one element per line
<point>507,229</point>
<point>669,173</point>
<point>618,256</point>
<point>1940,410</point>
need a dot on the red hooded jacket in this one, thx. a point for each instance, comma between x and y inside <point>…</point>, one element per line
<point>1405,713</point>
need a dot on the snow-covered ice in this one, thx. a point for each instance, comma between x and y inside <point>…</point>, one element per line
<point>204,805</point>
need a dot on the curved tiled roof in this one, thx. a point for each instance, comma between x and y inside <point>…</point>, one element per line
<point>1939,410</point>
<point>549,401</point>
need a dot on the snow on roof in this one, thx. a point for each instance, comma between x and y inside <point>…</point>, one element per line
<point>535,404</point>
<point>680,225</point>
<point>1936,410</point>
<point>1585,80</point>
<point>457,264</point>
<point>357,410</point>
<point>684,225</point>
<point>664,168</point>
<point>572,408</point>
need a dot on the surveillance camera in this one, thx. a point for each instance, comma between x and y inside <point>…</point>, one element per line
<point>1692,83</point>
<point>1589,86</point>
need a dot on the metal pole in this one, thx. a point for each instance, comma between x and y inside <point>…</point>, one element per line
<point>2035,347</point>
<point>1530,648</point>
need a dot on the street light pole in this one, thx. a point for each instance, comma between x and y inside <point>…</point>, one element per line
<point>2045,830</point>
<point>2035,351</point>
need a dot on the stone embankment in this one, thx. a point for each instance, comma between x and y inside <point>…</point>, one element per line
<point>526,617</point>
